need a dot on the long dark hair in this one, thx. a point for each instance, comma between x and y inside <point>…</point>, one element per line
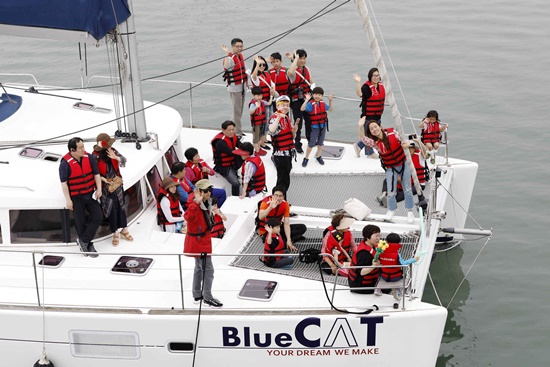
<point>254,65</point>
<point>384,139</point>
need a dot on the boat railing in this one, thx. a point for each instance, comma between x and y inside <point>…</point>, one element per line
<point>21,75</point>
<point>134,291</point>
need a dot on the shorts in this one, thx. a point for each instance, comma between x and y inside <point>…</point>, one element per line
<point>257,133</point>
<point>317,137</point>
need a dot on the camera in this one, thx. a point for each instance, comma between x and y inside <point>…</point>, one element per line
<point>413,136</point>
<point>300,92</point>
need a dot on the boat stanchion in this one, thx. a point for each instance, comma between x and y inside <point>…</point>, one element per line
<point>44,361</point>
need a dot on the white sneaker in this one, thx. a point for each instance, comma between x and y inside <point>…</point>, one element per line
<point>357,150</point>
<point>390,214</point>
<point>377,292</point>
<point>410,217</point>
<point>396,294</point>
<point>374,155</point>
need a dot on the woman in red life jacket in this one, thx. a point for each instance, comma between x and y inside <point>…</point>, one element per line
<point>275,245</point>
<point>390,148</point>
<point>431,132</point>
<point>392,257</point>
<point>169,209</point>
<point>339,242</point>
<point>109,161</point>
<point>218,228</point>
<point>365,276</point>
<point>373,96</point>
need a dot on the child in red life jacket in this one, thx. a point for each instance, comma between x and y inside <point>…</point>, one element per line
<point>431,133</point>
<point>391,256</point>
<point>274,244</point>
<point>218,228</point>
<point>317,110</point>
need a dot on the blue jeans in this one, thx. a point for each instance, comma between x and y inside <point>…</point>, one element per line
<point>360,144</point>
<point>391,179</point>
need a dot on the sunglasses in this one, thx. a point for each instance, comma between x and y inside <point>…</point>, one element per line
<point>208,189</point>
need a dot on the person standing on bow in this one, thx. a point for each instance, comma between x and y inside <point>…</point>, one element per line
<point>225,163</point>
<point>390,148</point>
<point>317,111</point>
<point>282,132</point>
<point>79,178</point>
<point>198,242</point>
<point>278,73</point>
<point>260,77</point>
<point>373,96</point>
<point>237,82</point>
<point>300,84</point>
<point>109,161</point>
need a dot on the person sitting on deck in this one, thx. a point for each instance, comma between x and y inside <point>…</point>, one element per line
<point>225,163</point>
<point>431,133</point>
<point>169,209</point>
<point>339,242</point>
<point>274,244</point>
<point>218,228</point>
<point>197,169</point>
<point>391,256</point>
<point>184,187</point>
<point>252,172</point>
<point>275,206</point>
<point>365,276</point>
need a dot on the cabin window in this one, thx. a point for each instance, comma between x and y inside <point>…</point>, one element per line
<point>171,156</point>
<point>0,234</point>
<point>37,226</point>
<point>153,176</point>
<point>133,205</point>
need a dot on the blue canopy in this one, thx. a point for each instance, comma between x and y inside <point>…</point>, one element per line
<point>96,17</point>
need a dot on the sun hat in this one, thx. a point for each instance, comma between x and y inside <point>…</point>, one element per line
<point>104,141</point>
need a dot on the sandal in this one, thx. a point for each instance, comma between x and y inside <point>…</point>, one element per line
<point>127,236</point>
<point>115,239</point>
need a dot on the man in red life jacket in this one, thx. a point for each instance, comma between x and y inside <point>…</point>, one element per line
<point>364,256</point>
<point>79,177</point>
<point>252,171</point>
<point>282,131</point>
<point>197,169</point>
<point>198,241</point>
<point>225,162</point>
<point>300,84</point>
<point>237,82</point>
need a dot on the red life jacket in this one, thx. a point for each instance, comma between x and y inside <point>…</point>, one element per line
<point>374,106</point>
<point>279,249</point>
<point>431,133</point>
<point>81,181</point>
<point>371,277</point>
<point>183,183</point>
<point>278,213</point>
<point>174,207</point>
<point>196,168</point>
<point>318,114</point>
<point>238,74</point>
<point>221,158</point>
<point>218,229</point>
<point>284,139</point>
<point>281,80</point>
<point>302,74</point>
<point>102,166</point>
<point>258,117</point>
<point>333,244</point>
<point>394,156</point>
<point>420,169</point>
<point>390,256</point>
<point>265,83</point>
<point>257,182</point>
<point>197,238</point>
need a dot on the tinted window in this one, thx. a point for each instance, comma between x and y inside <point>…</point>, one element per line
<point>37,226</point>
<point>153,176</point>
<point>171,156</point>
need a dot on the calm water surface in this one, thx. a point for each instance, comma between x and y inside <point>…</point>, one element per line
<point>484,65</point>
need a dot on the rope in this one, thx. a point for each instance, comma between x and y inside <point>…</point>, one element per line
<point>435,290</point>
<point>110,47</point>
<point>469,269</point>
<point>461,207</point>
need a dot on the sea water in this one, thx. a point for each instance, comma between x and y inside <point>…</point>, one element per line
<point>483,65</point>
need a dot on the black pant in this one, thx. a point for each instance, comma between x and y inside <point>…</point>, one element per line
<point>87,216</point>
<point>304,119</point>
<point>283,165</point>
<point>297,230</point>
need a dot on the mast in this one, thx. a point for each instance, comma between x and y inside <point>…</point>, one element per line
<point>390,98</point>
<point>130,77</point>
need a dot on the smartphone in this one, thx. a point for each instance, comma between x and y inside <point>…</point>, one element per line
<point>51,261</point>
<point>413,136</point>
<point>258,290</point>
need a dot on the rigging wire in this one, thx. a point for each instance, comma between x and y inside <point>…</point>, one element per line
<point>392,66</point>
<point>316,16</point>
